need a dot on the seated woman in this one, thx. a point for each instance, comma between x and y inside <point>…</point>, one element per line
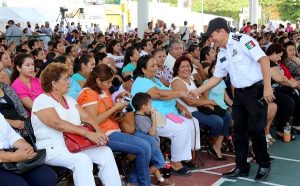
<point>83,65</point>
<point>114,51</point>
<point>130,61</point>
<point>39,53</point>
<point>207,55</point>
<point>218,126</point>
<point>6,62</point>
<point>164,74</point>
<point>24,82</point>
<point>40,176</point>
<point>96,99</point>
<point>287,102</point>
<point>54,113</point>
<point>290,60</point>
<point>185,136</point>
<point>75,88</point>
<point>10,105</point>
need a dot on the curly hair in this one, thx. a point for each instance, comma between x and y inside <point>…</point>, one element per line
<point>52,72</point>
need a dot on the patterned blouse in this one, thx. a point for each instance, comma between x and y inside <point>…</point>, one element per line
<point>17,103</point>
<point>166,73</point>
<point>293,67</point>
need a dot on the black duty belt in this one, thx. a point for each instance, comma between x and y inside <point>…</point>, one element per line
<point>257,84</point>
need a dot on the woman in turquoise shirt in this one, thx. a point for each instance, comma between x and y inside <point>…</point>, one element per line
<point>130,61</point>
<point>83,65</point>
<point>182,135</point>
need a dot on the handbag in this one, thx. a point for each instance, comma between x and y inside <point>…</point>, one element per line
<point>124,119</point>
<point>160,119</point>
<point>76,143</point>
<point>26,165</point>
<point>217,110</point>
<point>126,123</point>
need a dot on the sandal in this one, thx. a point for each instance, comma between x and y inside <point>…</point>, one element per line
<point>190,165</point>
<point>180,172</point>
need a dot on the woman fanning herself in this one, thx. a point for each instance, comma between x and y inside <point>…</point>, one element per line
<point>97,101</point>
<point>54,113</point>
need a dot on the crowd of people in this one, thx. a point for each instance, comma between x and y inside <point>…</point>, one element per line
<point>62,79</point>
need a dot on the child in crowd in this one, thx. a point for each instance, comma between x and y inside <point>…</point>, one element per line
<point>145,126</point>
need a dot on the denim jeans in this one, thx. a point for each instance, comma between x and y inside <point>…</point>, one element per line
<point>121,142</point>
<point>157,159</point>
<point>217,125</point>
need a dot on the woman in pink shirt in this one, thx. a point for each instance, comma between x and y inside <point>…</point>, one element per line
<point>24,82</point>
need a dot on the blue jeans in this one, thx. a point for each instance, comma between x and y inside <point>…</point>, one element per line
<point>217,125</point>
<point>121,142</point>
<point>41,176</point>
<point>157,158</point>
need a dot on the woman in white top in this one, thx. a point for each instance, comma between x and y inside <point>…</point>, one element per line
<point>54,113</point>
<point>218,126</point>
<point>40,176</point>
<point>114,51</point>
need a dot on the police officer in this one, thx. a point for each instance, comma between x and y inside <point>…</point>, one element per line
<point>249,71</point>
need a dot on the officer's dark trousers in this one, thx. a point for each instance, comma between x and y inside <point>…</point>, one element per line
<point>249,121</point>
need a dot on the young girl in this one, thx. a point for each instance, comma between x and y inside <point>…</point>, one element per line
<point>24,82</point>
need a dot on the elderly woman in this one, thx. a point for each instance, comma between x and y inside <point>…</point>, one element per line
<point>96,99</point>
<point>41,176</point>
<point>54,113</point>
<point>184,136</point>
<point>217,125</point>
<point>287,102</point>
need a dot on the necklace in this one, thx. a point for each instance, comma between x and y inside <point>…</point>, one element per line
<point>65,105</point>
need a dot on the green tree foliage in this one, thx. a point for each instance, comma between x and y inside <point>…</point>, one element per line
<point>289,10</point>
<point>229,8</point>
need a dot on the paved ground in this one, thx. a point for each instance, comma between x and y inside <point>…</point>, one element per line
<point>285,169</point>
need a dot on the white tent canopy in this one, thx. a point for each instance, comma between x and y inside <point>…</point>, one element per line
<point>7,14</point>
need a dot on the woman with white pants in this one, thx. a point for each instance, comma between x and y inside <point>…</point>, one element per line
<point>182,135</point>
<point>54,113</point>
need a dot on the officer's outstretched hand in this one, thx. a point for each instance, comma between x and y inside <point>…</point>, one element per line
<point>268,94</point>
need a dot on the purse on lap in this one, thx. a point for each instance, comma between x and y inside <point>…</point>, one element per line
<point>76,143</point>
<point>160,119</point>
<point>124,119</point>
<point>26,165</point>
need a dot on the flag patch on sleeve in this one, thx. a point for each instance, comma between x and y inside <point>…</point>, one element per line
<point>250,45</point>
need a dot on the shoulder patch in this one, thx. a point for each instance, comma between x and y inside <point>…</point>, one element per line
<point>223,59</point>
<point>250,44</point>
<point>236,37</point>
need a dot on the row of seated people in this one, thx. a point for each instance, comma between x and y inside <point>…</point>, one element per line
<point>163,97</point>
<point>90,95</point>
